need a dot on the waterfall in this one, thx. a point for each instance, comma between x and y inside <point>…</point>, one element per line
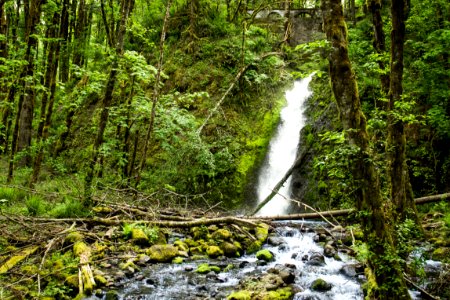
<point>282,149</point>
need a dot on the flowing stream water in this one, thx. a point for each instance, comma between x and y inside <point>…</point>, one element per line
<point>282,150</point>
<point>293,244</point>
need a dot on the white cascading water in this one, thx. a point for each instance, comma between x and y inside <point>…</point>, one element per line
<point>283,149</point>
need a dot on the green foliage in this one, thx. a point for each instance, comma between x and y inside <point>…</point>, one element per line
<point>70,208</point>
<point>12,195</point>
<point>36,205</point>
<point>151,232</point>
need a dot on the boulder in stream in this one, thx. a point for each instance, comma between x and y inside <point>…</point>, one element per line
<point>316,259</point>
<point>264,255</point>
<point>162,253</point>
<point>320,285</point>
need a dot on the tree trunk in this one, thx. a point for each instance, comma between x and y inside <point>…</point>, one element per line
<point>379,40</point>
<point>24,117</point>
<point>155,92</point>
<point>382,259</point>
<point>126,8</point>
<point>64,33</point>
<point>400,188</point>
<point>49,96</point>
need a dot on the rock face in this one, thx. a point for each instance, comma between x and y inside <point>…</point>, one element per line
<point>162,253</point>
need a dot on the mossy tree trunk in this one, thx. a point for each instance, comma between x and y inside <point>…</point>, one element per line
<point>383,261</point>
<point>400,187</point>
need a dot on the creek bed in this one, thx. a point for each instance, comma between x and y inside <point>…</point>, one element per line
<point>292,245</point>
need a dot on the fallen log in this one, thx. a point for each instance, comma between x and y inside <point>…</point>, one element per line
<point>298,162</point>
<point>433,198</point>
<point>169,224</point>
<point>17,258</point>
<point>307,216</point>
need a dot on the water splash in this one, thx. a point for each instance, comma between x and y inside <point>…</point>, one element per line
<point>283,149</point>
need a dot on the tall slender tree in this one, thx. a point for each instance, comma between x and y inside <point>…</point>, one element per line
<point>400,187</point>
<point>125,11</point>
<point>388,280</point>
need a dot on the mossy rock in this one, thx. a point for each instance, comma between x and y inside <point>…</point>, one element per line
<point>205,269</point>
<point>262,232</point>
<point>191,243</point>
<point>229,249</point>
<point>221,235</point>
<point>199,233</point>
<point>162,253</point>
<point>100,280</point>
<point>72,281</point>
<point>280,294</point>
<point>112,295</point>
<point>182,246</point>
<point>265,255</point>
<point>254,247</point>
<point>196,250</point>
<point>320,285</point>
<point>214,251</point>
<point>240,295</point>
<point>178,260</point>
<point>442,253</point>
<point>139,237</point>
<point>73,237</point>
<point>81,248</point>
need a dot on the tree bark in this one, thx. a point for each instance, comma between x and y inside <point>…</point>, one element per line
<point>24,117</point>
<point>398,177</point>
<point>389,281</point>
<point>379,40</point>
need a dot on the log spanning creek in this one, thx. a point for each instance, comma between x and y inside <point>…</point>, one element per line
<point>294,259</point>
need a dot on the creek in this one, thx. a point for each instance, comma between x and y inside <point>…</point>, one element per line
<point>291,243</point>
<point>297,247</point>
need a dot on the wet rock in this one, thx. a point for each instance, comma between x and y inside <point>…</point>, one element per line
<point>188,268</point>
<point>265,255</point>
<point>290,233</point>
<point>294,255</point>
<point>119,276</point>
<point>162,253</point>
<point>140,277</point>
<point>285,273</point>
<point>150,281</point>
<point>229,249</point>
<point>142,260</point>
<point>275,241</point>
<point>316,238</point>
<point>261,263</point>
<point>111,295</point>
<point>205,269</point>
<point>320,285</point>
<point>348,270</point>
<point>305,257</point>
<point>316,259</point>
<point>283,247</point>
<point>243,264</point>
<point>329,251</point>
